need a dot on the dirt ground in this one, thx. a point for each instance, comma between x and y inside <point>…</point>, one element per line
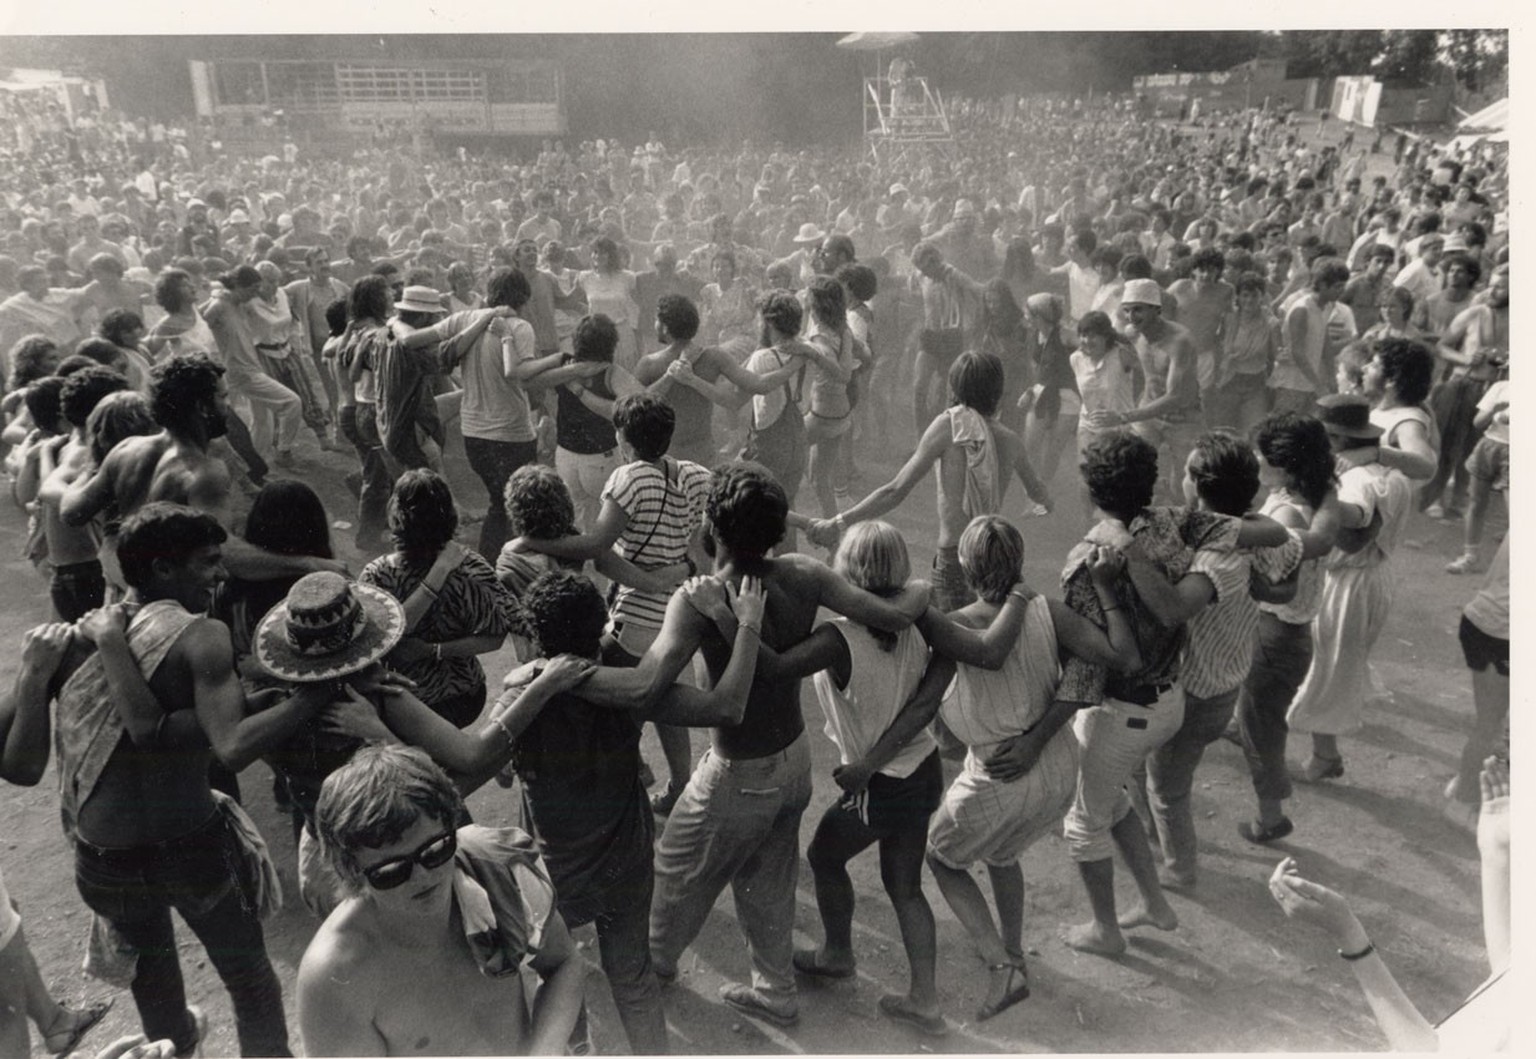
<point>1235,976</point>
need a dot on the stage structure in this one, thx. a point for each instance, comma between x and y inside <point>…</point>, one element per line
<point>900,107</point>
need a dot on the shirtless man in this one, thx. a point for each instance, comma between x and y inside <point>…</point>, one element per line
<point>107,290</point>
<point>1169,413</point>
<point>78,583</point>
<point>968,486</point>
<point>737,822</point>
<point>134,790</point>
<point>1204,302</point>
<point>391,971</point>
<point>189,400</point>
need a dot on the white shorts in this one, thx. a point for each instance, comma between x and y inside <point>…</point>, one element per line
<point>10,919</point>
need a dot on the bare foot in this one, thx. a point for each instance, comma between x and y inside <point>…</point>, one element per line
<point>1161,916</point>
<point>1092,937</point>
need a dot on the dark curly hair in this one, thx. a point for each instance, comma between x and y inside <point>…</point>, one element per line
<point>565,614</point>
<point>747,508</point>
<point>43,403</point>
<point>84,389</point>
<point>780,309</point>
<point>1408,366</point>
<point>829,303</point>
<point>180,386</point>
<point>1208,257</point>
<point>679,316</point>
<point>422,518</point>
<point>539,504</point>
<point>32,357</point>
<point>159,530</point>
<point>1120,470</point>
<point>595,338</point>
<point>646,422</point>
<point>1297,445</point>
<point>1225,472</point>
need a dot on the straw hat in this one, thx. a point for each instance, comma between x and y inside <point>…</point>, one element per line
<point>328,628</point>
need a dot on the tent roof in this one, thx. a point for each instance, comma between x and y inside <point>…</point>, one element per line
<point>1493,116</point>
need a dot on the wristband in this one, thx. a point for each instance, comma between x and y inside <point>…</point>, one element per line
<point>500,722</point>
<point>1370,947</point>
<point>757,630</point>
<point>437,652</point>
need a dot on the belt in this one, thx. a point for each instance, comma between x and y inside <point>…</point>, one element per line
<point>109,852</point>
<point>1143,694</point>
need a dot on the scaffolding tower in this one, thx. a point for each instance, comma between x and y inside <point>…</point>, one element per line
<point>906,112</point>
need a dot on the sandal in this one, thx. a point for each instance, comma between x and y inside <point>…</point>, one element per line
<point>1011,995</point>
<point>89,1016</point>
<point>663,801</point>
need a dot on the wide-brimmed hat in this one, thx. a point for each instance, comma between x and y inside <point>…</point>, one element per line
<point>1348,415</point>
<point>810,232</point>
<point>420,300</point>
<point>1142,292</point>
<point>328,627</point>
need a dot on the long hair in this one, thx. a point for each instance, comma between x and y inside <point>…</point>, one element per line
<point>288,517</point>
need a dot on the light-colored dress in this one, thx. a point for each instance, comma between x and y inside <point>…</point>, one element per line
<point>613,295</point>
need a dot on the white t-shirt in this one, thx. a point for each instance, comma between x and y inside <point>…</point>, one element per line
<point>1335,326</point>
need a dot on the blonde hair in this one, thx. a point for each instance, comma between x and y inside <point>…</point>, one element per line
<point>873,556</point>
<point>992,557</point>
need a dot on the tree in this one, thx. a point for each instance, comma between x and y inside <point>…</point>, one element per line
<point>1479,58</point>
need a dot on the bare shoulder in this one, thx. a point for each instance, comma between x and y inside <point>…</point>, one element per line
<point>336,962</point>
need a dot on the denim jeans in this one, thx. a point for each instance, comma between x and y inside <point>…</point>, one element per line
<point>360,426</point>
<point>1169,776</point>
<point>737,823</point>
<point>1281,658</point>
<point>494,462</point>
<point>1454,403</point>
<point>1116,738</point>
<point>201,876</point>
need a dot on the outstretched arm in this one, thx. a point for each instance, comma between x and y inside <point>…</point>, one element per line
<point>888,496</point>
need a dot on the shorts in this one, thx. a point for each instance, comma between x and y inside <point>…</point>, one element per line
<point>10,919</point>
<point>995,822</point>
<point>1489,463</point>
<point>1481,650</point>
<point>891,804</point>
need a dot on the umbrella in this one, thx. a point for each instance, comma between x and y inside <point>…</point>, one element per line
<point>876,41</point>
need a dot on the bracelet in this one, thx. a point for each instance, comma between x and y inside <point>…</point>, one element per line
<point>1370,947</point>
<point>500,722</point>
<point>757,630</point>
<point>437,652</point>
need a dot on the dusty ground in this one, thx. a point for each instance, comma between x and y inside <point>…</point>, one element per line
<point>1235,976</point>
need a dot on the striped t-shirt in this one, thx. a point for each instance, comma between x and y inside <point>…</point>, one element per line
<point>1222,634</point>
<point>664,503</point>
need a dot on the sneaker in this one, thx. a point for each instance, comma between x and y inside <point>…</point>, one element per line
<point>1435,510</point>
<point>749,1001</point>
<point>1466,563</point>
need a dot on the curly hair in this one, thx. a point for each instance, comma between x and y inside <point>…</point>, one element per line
<point>162,531</point>
<point>991,557</point>
<point>679,316</point>
<point>1297,446</point>
<point>180,385</point>
<point>509,287</point>
<point>595,338</point>
<point>539,503</point>
<point>1407,366</point>
<point>1208,257</point>
<point>781,311</point>
<point>369,299</point>
<point>564,613</point>
<point>747,508</point>
<point>84,389</point>
<point>116,324</point>
<point>121,414</point>
<point>43,403</point>
<point>829,303</point>
<point>422,518</point>
<point>375,798</point>
<point>1120,470</point>
<point>170,293</point>
<point>32,358</point>
<point>1225,472</point>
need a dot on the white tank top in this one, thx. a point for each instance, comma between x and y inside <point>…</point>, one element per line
<point>879,683</point>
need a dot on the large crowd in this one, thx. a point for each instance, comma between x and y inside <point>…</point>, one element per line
<point>1255,356</point>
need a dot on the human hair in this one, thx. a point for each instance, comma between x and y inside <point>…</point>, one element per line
<point>1005,317</point>
<point>564,613</point>
<point>171,293</point>
<point>121,414</point>
<point>1106,257</point>
<point>180,386</point>
<point>679,316</point>
<point>1120,470</point>
<point>1460,260</point>
<point>1135,266</point>
<point>164,532</point>
<point>829,303</point>
<point>1404,298</point>
<point>116,324</point>
<point>976,381</point>
<point>605,254</point>
<point>873,556</point>
<point>1297,446</point>
<point>781,311</point>
<point>375,798</point>
<point>104,262</point>
<point>242,277</point>
<point>336,317</point>
<point>1097,323</point>
<point>859,280</point>
<point>746,508</point>
<point>595,338</point>
<point>1406,365</point>
<point>1225,472</point>
<point>99,349</point>
<point>421,515</point>
<point>369,299</point>
<point>84,389</point>
<point>646,422</point>
<point>1327,271</point>
<point>1018,260</point>
<point>991,557</point>
<point>42,399</point>
<point>288,517</point>
<point>508,287</point>
<point>1208,257</point>
<point>32,357</point>
<point>539,503</point>
<point>1250,283</point>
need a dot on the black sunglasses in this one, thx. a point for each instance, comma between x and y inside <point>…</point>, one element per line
<point>433,853</point>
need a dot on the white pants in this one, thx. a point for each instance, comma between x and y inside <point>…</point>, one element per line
<point>267,399</point>
<point>1115,737</point>
<point>585,475</point>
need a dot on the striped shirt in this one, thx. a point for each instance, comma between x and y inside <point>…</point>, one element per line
<point>989,706</point>
<point>1222,635</point>
<point>664,505</point>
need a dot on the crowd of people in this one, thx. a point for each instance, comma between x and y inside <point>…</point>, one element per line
<point>1255,359</point>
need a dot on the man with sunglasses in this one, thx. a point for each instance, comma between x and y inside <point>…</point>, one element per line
<point>424,957</point>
